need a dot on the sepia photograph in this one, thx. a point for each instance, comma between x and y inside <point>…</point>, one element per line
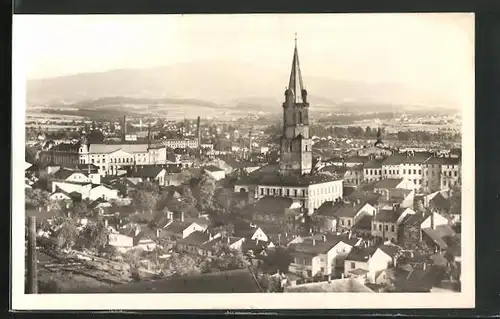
<point>243,161</point>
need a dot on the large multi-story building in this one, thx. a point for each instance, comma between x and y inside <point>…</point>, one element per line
<point>64,154</point>
<point>293,176</point>
<point>181,143</point>
<point>112,158</point>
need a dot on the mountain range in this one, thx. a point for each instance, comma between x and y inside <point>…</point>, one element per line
<point>227,85</point>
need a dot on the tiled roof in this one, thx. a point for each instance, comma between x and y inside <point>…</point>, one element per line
<point>347,209</point>
<point>177,227</point>
<point>367,197</point>
<point>147,171</point>
<point>231,281</point>
<point>64,173</point>
<point>360,254</point>
<point>213,168</point>
<point>438,201</point>
<point>196,238</point>
<point>66,147</point>
<point>387,215</point>
<point>390,250</point>
<point>273,205</point>
<point>268,175</point>
<point>109,148</point>
<point>443,160</point>
<point>357,159</point>
<point>316,246</point>
<point>365,223</point>
<point>376,163</point>
<point>416,158</point>
<point>387,183</point>
<point>438,234</point>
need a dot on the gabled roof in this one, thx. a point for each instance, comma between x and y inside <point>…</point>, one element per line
<point>196,238</point>
<point>213,168</point>
<point>387,215</point>
<point>410,158</point>
<point>440,202</point>
<point>360,254</point>
<point>390,250</point>
<point>316,246</point>
<point>367,197</point>
<point>272,205</point>
<point>347,209</point>
<point>439,233</point>
<point>388,183</point>
<point>177,227</point>
<point>64,173</point>
<point>110,148</point>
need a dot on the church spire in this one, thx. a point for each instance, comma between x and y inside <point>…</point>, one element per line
<point>295,85</point>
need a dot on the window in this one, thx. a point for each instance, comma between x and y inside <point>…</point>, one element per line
<point>404,171</point>
<point>385,171</point>
<point>374,226</point>
<point>432,173</point>
<point>262,191</point>
<point>419,172</point>
<point>348,222</point>
<point>415,181</point>
<point>268,191</point>
<point>414,171</point>
<point>306,148</point>
<point>353,265</point>
<point>92,161</point>
<point>380,227</point>
<point>392,228</point>
<point>456,173</point>
<point>386,227</point>
<point>287,192</point>
<point>295,192</point>
<point>342,222</point>
<point>322,269</point>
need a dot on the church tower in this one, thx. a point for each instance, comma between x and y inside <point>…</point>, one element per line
<point>296,144</point>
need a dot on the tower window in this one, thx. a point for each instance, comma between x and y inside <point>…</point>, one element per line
<point>300,117</point>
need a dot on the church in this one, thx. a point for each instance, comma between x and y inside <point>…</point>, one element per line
<point>294,176</point>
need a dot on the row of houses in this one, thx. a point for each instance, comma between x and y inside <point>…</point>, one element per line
<point>427,171</point>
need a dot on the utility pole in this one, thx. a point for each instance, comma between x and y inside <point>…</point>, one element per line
<point>32,258</point>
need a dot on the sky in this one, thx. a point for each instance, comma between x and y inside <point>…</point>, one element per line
<point>432,50</point>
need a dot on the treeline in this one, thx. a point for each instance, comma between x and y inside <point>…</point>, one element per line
<point>357,132</point>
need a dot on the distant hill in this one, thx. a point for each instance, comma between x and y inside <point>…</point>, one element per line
<point>228,85</point>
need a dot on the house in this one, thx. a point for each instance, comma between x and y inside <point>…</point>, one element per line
<point>420,279</point>
<point>324,217</point>
<point>67,175</point>
<point>234,243</point>
<point>385,223</point>
<point>175,230</point>
<point>102,191</point>
<point>249,232</point>
<point>132,237</point>
<point>61,195</point>
<point>194,243</point>
<point>341,214</point>
<point>27,166</point>
<point>280,210</point>
<point>440,237</point>
<point>321,257</point>
<point>383,185</point>
<point>366,264</point>
<point>397,196</point>
<point>149,173</point>
<point>215,172</point>
<point>372,170</point>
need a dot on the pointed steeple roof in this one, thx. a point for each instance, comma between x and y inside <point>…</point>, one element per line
<point>295,85</point>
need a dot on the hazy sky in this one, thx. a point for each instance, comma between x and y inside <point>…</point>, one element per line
<point>435,50</point>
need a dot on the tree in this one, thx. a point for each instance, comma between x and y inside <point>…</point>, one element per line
<point>277,260</point>
<point>35,197</point>
<point>206,194</point>
<point>181,265</point>
<point>226,259</point>
<point>67,233</point>
<point>269,283</point>
<point>146,195</point>
<point>187,196</point>
<point>96,235</point>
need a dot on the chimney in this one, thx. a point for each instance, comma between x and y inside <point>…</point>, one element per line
<point>432,221</point>
<point>137,230</point>
<point>228,240</point>
<point>425,265</point>
<point>158,231</point>
<point>349,235</point>
<point>257,242</point>
<point>314,242</point>
<point>324,238</point>
<point>106,223</point>
<point>182,216</point>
